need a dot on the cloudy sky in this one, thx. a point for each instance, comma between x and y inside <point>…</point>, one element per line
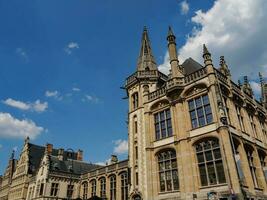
<point>62,63</point>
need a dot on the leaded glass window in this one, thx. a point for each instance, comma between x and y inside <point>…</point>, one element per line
<point>168,172</point>
<point>113,187</point>
<point>163,124</point>
<point>210,162</point>
<point>200,111</point>
<point>102,187</point>
<point>124,186</point>
<point>93,188</point>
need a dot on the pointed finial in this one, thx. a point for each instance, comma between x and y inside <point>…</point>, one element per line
<point>205,50</point>
<point>145,29</point>
<point>12,154</point>
<point>170,33</point>
<point>222,61</point>
<point>261,79</point>
<point>245,79</point>
<point>27,139</point>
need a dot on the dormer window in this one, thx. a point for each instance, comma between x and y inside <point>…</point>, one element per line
<point>135,100</point>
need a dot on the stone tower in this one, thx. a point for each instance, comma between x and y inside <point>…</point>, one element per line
<point>145,79</point>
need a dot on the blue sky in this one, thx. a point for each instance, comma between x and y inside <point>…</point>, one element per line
<point>62,64</point>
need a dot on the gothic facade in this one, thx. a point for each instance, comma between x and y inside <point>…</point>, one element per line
<point>192,134</point>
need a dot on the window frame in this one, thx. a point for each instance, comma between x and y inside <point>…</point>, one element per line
<point>162,124</point>
<point>196,110</point>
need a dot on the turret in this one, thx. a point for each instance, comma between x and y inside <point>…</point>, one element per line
<point>263,90</point>
<point>224,68</point>
<point>176,70</point>
<point>207,59</point>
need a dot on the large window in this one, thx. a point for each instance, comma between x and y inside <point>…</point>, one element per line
<point>85,190</point>
<point>168,173</point>
<point>113,187</point>
<point>262,156</point>
<point>163,124</point>
<point>103,187</point>
<point>240,117</point>
<point>93,188</point>
<point>124,186</point>
<point>54,189</point>
<point>253,125</point>
<point>210,162</point>
<point>135,100</point>
<point>252,167</point>
<point>200,111</point>
<point>70,191</point>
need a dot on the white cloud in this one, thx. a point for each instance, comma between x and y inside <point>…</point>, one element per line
<point>90,98</point>
<point>11,127</point>
<point>70,47</point>
<point>236,29</point>
<point>17,104</point>
<point>256,87</point>
<point>121,146</point>
<point>53,94</point>
<point>165,66</point>
<point>184,6</point>
<point>36,106</point>
<point>22,53</point>
<point>39,107</point>
<point>75,89</point>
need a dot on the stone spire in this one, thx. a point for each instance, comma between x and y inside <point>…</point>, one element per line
<point>176,70</point>
<point>207,56</point>
<point>246,86</point>
<point>223,67</point>
<point>146,59</point>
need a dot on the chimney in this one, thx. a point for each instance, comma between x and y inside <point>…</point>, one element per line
<point>80,155</point>
<point>49,148</point>
<point>114,159</point>
<point>60,154</point>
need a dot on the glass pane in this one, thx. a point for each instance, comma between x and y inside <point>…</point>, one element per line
<point>211,173</point>
<point>168,164</point>
<point>198,102</point>
<point>194,123</point>
<point>162,116</point>
<point>215,143</point>
<point>156,116</point>
<point>172,154</point>
<point>205,99</point>
<point>201,121</point>
<point>175,180</point>
<point>217,153</point>
<point>193,114</point>
<point>162,124</point>
<point>168,114</point>
<point>163,133</point>
<point>191,104</point>
<point>162,186</point>
<point>209,118</point>
<point>207,145</point>
<point>200,112</point>
<point>174,164</point>
<point>207,109</point>
<point>161,166</point>
<point>169,123</point>
<point>208,155</point>
<point>220,172</point>
<point>200,157</point>
<point>199,147</point>
<point>203,175</point>
<point>170,131</point>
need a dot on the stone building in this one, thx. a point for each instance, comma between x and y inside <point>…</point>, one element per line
<point>193,134</point>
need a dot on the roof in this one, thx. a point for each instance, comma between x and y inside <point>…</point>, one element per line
<point>79,167</point>
<point>190,66</point>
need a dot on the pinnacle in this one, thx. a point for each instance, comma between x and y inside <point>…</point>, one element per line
<point>205,50</point>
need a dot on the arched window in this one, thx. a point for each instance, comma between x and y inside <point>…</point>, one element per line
<point>168,172</point>
<point>124,186</point>
<point>93,188</point>
<point>262,156</point>
<point>135,100</point>
<point>103,187</point>
<point>210,162</point>
<point>113,187</point>
<point>250,156</point>
<point>85,189</point>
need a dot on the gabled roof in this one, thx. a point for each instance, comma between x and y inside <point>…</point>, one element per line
<point>65,166</point>
<point>190,66</point>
